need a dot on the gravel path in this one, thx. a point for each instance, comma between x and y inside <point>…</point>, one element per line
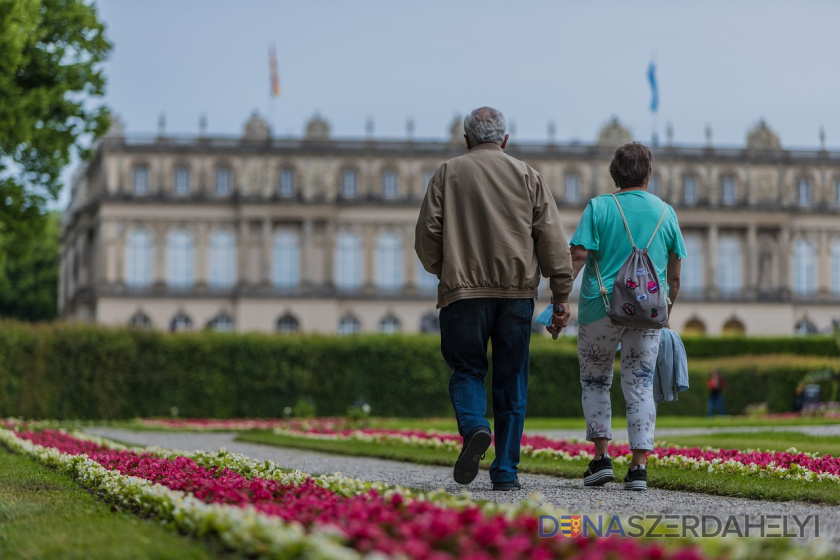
<point>563,493</point>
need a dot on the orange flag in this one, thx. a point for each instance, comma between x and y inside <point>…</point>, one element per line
<point>272,68</point>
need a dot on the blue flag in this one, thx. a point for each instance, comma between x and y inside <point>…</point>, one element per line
<point>654,99</point>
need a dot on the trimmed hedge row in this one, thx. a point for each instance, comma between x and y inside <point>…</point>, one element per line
<point>72,371</point>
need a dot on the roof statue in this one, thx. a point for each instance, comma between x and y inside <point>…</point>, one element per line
<point>256,128</point>
<point>761,137</point>
<point>613,135</point>
<point>317,128</point>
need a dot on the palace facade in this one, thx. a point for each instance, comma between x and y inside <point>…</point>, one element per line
<point>316,234</point>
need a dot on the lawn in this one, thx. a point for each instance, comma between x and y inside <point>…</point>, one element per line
<point>44,514</point>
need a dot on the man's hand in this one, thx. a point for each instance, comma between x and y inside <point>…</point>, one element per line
<point>559,319</point>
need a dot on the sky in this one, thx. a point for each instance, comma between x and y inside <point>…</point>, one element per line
<point>722,64</point>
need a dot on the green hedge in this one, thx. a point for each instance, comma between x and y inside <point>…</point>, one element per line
<point>82,372</point>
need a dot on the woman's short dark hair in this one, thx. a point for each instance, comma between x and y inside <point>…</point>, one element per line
<point>631,165</point>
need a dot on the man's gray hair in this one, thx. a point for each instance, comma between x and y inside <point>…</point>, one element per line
<point>485,124</point>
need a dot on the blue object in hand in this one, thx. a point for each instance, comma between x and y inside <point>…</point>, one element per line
<point>544,318</point>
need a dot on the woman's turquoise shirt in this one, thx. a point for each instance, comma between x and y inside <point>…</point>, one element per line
<point>602,232</point>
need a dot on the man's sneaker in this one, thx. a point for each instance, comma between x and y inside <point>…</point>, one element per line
<point>636,478</point>
<point>475,444</point>
<point>600,471</point>
<point>507,486</point>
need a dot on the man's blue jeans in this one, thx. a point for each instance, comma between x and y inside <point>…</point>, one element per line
<point>465,328</point>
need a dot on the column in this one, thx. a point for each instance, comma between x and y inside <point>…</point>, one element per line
<point>265,254</point>
<point>784,262</point>
<point>369,258</point>
<point>242,253</point>
<point>823,266</point>
<point>409,259</point>
<point>306,253</point>
<point>159,273</point>
<point>202,268</point>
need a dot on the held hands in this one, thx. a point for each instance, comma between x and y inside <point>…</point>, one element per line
<point>559,319</point>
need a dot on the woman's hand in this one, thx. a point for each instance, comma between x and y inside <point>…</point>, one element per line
<point>559,319</point>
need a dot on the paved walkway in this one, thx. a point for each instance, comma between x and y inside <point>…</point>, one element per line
<point>564,493</point>
<point>663,433</point>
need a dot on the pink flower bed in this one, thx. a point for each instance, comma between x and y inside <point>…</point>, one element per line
<point>370,522</point>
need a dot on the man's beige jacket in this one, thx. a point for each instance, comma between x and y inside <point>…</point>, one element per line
<point>489,227</point>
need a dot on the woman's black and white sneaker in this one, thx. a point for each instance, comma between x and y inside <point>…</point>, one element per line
<point>600,471</point>
<point>636,478</point>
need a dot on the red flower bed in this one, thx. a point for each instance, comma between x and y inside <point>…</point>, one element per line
<point>369,521</point>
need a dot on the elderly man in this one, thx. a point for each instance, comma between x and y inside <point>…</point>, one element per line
<point>488,227</point>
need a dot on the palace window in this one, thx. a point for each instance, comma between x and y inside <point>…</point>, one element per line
<point>804,268</point>
<point>573,191</point>
<point>221,323</point>
<point>285,260</point>
<point>286,183</point>
<point>390,184</point>
<point>180,322</point>
<point>837,192</point>
<point>179,263</point>
<point>224,182</point>
<point>654,186</point>
<point>287,324</point>
<point>141,179</point>
<point>835,267</point>
<point>389,262</point>
<point>427,178</point>
<point>389,325</point>
<point>804,194</point>
<point>729,192</point>
<point>426,281</point>
<point>691,190</point>
<point>349,183</point>
<point>140,321</point>
<point>729,266</point>
<point>349,325</point>
<point>430,323</point>
<point>182,181</point>
<point>348,262</point>
<point>222,260</point>
<point>138,259</point>
<point>691,275</point>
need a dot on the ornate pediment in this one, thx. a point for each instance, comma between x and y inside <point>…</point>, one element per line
<point>613,135</point>
<point>761,137</point>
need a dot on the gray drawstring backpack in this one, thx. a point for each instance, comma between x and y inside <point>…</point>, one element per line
<point>638,300</point>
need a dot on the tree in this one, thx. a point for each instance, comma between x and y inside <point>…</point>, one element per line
<point>29,282</point>
<point>51,52</point>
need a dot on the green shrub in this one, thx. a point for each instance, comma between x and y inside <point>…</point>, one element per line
<point>71,371</point>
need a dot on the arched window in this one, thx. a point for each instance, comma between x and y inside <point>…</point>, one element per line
<point>349,183</point>
<point>180,322</point>
<point>222,260</point>
<point>138,259</point>
<point>729,266</point>
<point>653,185</point>
<point>389,325</point>
<point>430,323</point>
<point>349,325</point>
<point>804,194</point>
<point>182,181</point>
<point>389,262</point>
<point>427,178</point>
<point>729,191</point>
<point>691,189</point>
<point>691,274</point>
<point>804,268</point>
<point>805,327</point>
<point>837,192</point>
<point>224,181</point>
<point>390,184</point>
<point>348,261</point>
<point>221,323</point>
<point>286,183</point>
<point>179,262</point>
<point>287,324</point>
<point>733,327</point>
<point>140,179</point>
<point>694,326</point>
<point>573,190</point>
<point>426,281</point>
<point>835,267</point>
<point>285,260</point>
<point>140,321</point>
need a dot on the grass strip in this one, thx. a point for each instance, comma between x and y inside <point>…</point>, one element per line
<point>44,514</point>
<point>777,441</point>
<point>721,484</point>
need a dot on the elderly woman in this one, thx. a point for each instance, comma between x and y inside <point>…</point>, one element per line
<point>602,239</point>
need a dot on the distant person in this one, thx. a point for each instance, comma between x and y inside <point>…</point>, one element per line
<point>602,240</point>
<point>488,228</point>
<point>716,384</point>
